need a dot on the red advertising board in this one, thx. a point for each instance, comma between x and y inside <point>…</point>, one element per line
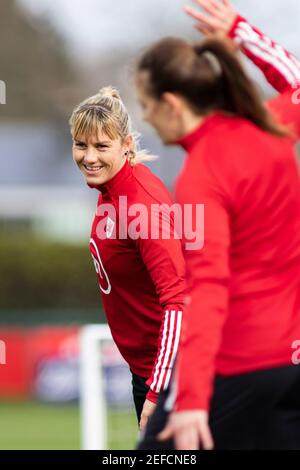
<point>25,349</point>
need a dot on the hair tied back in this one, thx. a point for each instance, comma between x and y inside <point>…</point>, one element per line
<point>214,62</point>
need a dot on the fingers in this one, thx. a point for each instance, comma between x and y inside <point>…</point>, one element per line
<point>193,438</point>
<point>193,13</point>
<point>214,21</point>
<point>213,7</point>
<point>166,434</point>
<point>143,422</point>
<point>206,439</point>
<point>207,20</point>
<point>205,30</point>
<point>190,437</point>
<point>187,439</point>
<point>147,411</point>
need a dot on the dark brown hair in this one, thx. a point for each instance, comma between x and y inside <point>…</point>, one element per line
<point>174,65</point>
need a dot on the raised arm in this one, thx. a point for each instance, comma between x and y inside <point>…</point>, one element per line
<point>280,67</point>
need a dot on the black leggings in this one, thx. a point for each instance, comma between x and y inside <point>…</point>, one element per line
<point>258,410</point>
<point>139,391</point>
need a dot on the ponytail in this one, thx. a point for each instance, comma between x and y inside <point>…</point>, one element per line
<point>241,95</point>
<point>210,77</point>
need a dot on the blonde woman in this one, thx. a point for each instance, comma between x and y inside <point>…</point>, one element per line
<point>141,278</point>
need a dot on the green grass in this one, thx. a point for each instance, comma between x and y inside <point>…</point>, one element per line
<point>122,430</point>
<point>38,426</point>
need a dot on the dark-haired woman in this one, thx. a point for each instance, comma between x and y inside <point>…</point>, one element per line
<point>236,386</point>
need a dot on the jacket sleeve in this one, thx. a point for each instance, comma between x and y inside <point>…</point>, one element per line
<point>164,261</point>
<point>280,67</point>
<point>208,275</point>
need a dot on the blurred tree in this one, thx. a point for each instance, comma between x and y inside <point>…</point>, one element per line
<point>41,81</point>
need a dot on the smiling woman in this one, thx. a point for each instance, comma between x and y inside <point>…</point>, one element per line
<point>97,158</point>
<point>103,138</point>
<point>141,280</point>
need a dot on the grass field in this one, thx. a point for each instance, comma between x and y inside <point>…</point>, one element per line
<point>37,426</point>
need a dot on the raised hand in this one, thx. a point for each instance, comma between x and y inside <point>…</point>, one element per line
<point>218,18</point>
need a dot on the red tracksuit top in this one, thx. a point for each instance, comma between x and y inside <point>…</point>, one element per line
<point>142,282</point>
<point>244,284</point>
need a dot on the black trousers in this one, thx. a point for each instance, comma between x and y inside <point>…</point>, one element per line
<point>139,391</point>
<point>258,410</point>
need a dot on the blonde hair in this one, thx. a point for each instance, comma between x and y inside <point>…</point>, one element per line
<point>105,112</point>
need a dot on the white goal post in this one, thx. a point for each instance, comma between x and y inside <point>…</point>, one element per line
<point>93,417</point>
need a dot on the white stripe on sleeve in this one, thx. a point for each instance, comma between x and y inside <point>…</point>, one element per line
<point>168,350</point>
<point>262,47</point>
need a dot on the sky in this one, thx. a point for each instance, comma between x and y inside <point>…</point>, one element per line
<point>104,26</point>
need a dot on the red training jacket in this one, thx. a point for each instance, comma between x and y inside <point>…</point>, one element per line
<point>142,281</point>
<point>244,284</point>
